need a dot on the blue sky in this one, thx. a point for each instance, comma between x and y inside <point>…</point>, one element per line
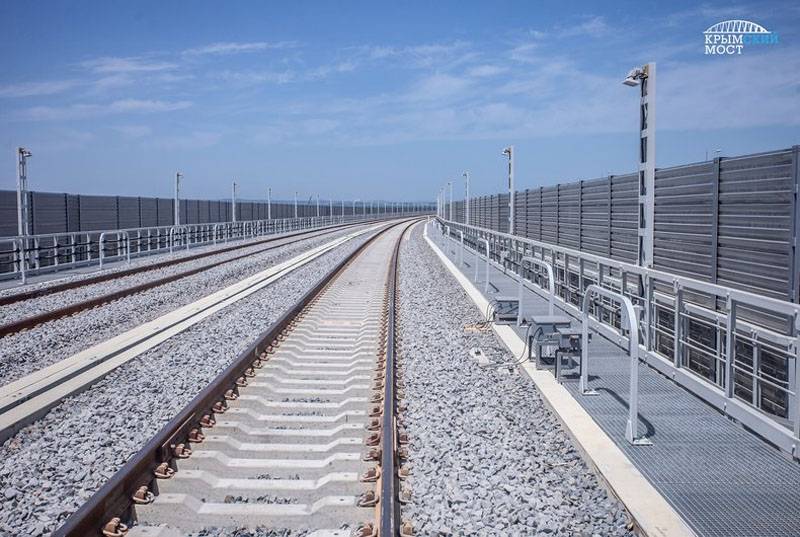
<point>375,100</point>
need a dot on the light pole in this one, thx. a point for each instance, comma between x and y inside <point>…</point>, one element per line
<point>178,177</point>
<point>342,208</point>
<point>509,152</point>
<point>450,212</point>
<point>330,208</point>
<point>466,198</point>
<point>317,205</point>
<point>354,207</point>
<point>645,78</point>
<point>295,203</point>
<point>233,202</point>
<point>22,192</point>
<point>269,203</point>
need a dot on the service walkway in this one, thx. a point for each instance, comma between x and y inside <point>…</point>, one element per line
<point>722,479</point>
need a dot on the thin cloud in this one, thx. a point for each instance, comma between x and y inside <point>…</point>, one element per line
<point>36,89</point>
<point>255,78</point>
<point>117,65</point>
<point>189,141</point>
<point>593,27</point>
<point>525,52</point>
<point>84,111</point>
<point>134,131</point>
<point>481,71</point>
<point>222,48</point>
<point>437,87</point>
<point>420,56</point>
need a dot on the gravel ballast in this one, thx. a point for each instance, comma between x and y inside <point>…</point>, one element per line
<point>52,466</point>
<point>487,456</point>
<point>25,352</point>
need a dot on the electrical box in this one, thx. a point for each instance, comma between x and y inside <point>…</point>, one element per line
<point>549,324</point>
<point>569,339</point>
<point>505,309</point>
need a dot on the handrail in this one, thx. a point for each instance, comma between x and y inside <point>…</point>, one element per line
<point>18,256</point>
<point>461,250</point>
<point>172,232</point>
<point>58,251</point>
<point>486,284</point>
<point>550,279</point>
<point>101,245</point>
<point>782,306</point>
<point>628,316</point>
<point>671,306</point>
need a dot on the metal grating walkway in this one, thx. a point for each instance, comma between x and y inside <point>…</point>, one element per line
<point>723,480</point>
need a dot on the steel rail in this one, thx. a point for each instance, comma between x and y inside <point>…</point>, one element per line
<point>113,504</point>
<point>70,309</point>
<point>390,519</point>
<point>65,286</point>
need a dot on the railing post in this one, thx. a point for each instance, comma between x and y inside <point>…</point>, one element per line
<point>486,284</point>
<point>730,347</point>
<point>794,410</point>
<point>583,384</point>
<point>627,317</point>
<point>550,285</point>
<point>648,314</point>
<point>127,245</point>
<point>101,248</point>
<point>20,254</point>
<point>461,251</point>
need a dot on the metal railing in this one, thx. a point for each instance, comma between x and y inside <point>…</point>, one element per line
<point>629,320</point>
<point>551,285</point>
<point>737,350</point>
<point>24,256</point>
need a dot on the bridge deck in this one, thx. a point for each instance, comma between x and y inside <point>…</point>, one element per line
<point>722,479</point>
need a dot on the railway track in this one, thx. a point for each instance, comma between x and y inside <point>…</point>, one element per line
<point>31,321</point>
<point>25,399</point>
<point>300,433</point>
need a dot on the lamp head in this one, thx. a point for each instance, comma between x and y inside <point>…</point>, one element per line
<point>634,77</point>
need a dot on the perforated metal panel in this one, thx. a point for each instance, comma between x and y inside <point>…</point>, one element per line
<point>569,210</point>
<point>149,211</point>
<point>203,212</point>
<point>755,223</point>
<point>596,217</point>
<point>98,212</point>
<point>128,212</point>
<point>624,217</point>
<point>166,214</point>
<point>49,212</point>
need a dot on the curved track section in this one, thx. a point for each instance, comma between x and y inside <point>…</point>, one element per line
<point>299,434</point>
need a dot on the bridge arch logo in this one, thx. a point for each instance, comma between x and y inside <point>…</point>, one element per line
<point>731,37</point>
